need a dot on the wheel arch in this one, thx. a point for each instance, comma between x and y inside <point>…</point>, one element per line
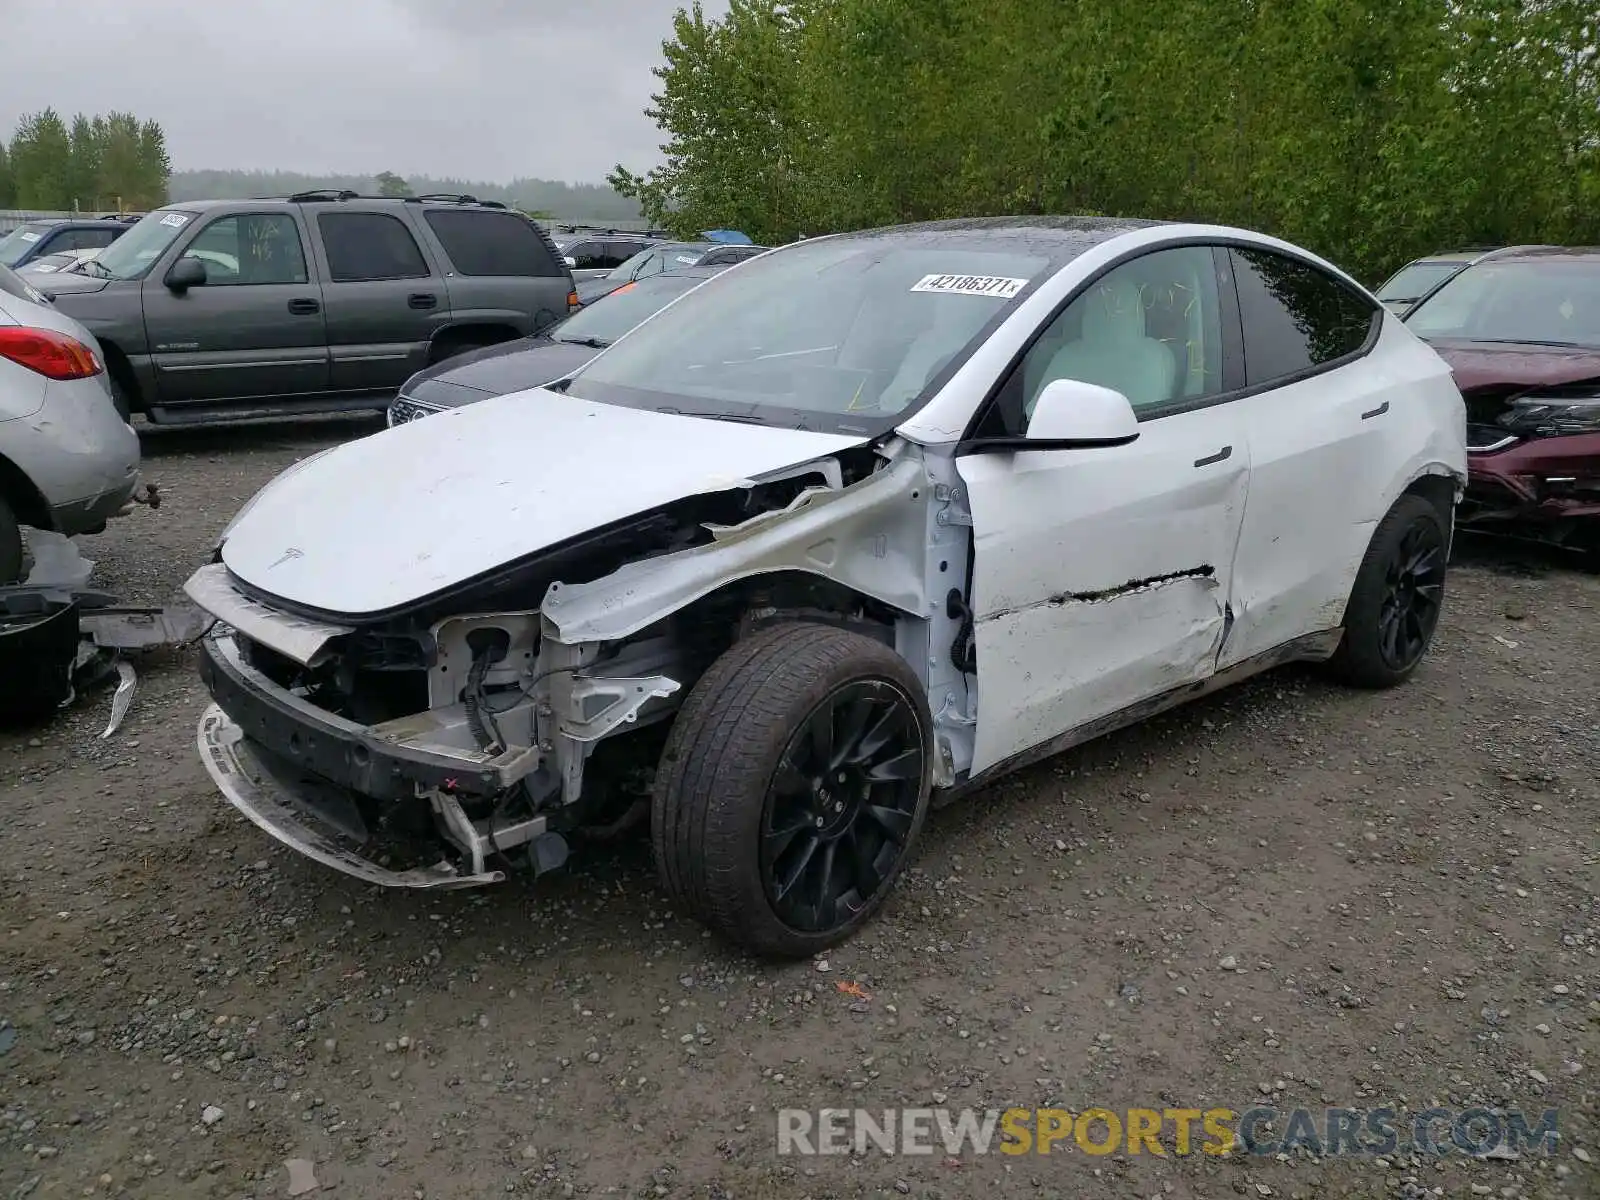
<point>454,338</point>
<point>120,368</point>
<point>26,501</point>
<point>865,539</point>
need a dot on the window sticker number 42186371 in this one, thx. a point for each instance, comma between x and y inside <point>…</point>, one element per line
<point>971,285</point>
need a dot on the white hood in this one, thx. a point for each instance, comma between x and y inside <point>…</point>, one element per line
<point>408,512</point>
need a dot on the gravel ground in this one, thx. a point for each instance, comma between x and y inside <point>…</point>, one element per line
<point>1287,894</point>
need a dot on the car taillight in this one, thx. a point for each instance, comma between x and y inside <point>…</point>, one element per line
<point>572,299</point>
<point>54,355</point>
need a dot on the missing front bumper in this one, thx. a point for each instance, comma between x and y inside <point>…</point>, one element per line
<point>274,803</point>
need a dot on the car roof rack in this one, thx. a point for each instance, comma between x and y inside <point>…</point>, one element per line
<point>316,194</point>
<point>452,198</point>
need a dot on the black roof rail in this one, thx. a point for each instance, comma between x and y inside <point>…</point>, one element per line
<point>316,194</point>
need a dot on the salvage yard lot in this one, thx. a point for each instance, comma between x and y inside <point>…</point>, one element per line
<point>1289,894</point>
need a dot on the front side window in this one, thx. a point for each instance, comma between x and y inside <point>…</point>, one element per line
<point>82,239</point>
<point>250,249</point>
<point>1547,301</point>
<point>587,256</point>
<point>363,246</point>
<point>843,334</point>
<point>1296,316</point>
<point>1150,328</point>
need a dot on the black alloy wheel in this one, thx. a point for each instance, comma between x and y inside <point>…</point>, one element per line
<point>1398,596</point>
<point>1413,596</point>
<point>842,805</point>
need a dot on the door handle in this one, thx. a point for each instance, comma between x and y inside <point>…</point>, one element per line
<point>1225,452</point>
<point>1377,412</point>
<point>422,300</point>
<point>304,307</point>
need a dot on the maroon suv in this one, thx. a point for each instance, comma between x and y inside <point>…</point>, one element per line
<point>1522,331</point>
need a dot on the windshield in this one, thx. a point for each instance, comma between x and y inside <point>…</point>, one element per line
<point>1548,301</point>
<point>18,242</point>
<point>133,254</point>
<point>838,334</point>
<point>604,320</point>
<point>1410,282</point>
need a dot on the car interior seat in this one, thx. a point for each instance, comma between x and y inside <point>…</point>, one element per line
<point>1114,350</point>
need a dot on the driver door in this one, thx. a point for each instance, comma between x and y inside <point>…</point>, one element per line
<point>1101,576</point>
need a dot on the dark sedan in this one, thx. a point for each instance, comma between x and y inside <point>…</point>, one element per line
<point>1522,333</point>
<point>35,239</point>
<point>528,362</point>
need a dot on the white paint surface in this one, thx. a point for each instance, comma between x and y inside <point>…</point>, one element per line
<point>413,510</point>
<point>1053,525</point>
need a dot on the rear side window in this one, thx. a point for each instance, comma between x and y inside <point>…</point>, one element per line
<point>482,242</point>
<point>1296,317</point>
<point>363,246</point>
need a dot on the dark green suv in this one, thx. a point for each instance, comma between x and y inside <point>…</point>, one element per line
<point>320,302</point>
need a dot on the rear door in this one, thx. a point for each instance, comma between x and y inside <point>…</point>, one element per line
<point>501,269</point>
<point>253,329</point>
<point>1321,415</point>
<point>384,299</point>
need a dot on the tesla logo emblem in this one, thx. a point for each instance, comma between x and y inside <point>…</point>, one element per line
<point>291,552</point>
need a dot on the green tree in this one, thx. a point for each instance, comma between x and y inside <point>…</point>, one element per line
<point>41,162</point>
<point>83,161</point>
<point>8,190</point>
<point>729,104</point>
<point>155,168</point>
<point>390,184</point>
<point>1370,130</point>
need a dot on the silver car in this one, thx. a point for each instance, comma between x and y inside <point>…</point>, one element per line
<point>68,461</point>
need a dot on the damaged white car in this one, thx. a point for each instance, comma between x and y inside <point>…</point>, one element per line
<point>833,537</point>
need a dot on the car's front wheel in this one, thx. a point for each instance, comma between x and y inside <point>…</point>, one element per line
<point>793,787</point>
<point>1398,596</point>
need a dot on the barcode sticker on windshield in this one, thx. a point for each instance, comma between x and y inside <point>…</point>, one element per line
<point>971,285</point>
<point>176,220</point>
<point>29,236</point>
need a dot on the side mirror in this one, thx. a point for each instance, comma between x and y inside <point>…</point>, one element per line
<point>185,274</point>
<point>1071,413</point>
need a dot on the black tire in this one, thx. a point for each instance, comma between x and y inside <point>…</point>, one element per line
<point>728,775</point>
<point>10,545</point>
<point>1398,596</point>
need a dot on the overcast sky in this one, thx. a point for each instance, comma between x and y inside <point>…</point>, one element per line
<point>475,89</point>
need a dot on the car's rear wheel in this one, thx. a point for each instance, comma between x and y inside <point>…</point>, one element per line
<point>793,787</point>
<point>11,552</point>
<point>1398,596</point>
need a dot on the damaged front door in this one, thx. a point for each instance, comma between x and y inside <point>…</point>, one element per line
<point>1101,575</point>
